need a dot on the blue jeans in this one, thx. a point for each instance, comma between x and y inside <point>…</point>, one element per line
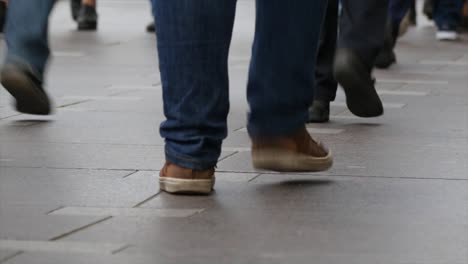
<point>26,34</point>
<point>193,43</point>
<point>448,13</point>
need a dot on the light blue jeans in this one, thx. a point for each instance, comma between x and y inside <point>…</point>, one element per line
<point>26,34</point>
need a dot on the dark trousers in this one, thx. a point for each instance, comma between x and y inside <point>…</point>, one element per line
<point>362,29</point>
<point>326,85</point>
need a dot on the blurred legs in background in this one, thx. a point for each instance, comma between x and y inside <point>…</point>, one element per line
<point>27,54</point>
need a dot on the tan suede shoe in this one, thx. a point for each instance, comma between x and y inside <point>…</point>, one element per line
<point>295,153</point>
<point>179,180</point>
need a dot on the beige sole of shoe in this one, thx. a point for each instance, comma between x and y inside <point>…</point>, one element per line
<point>182,186</point>
<point>286,161</point>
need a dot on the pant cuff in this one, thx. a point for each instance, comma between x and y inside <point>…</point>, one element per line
<point>189,162</point>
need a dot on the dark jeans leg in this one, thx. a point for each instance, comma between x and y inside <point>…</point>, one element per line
<point>448,13</point>
<point>283,65</point>
<point>193,44</point>
<point>397,10</point>
<point>362,27</point>
<point>26,33</point>
<point>326,85</point>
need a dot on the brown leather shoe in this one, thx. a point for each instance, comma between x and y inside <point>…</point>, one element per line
<point>298,152</point>
<point>179,180</point>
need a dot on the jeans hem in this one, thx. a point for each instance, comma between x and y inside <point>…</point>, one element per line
<point>279,130</point>
<point>189,162</point>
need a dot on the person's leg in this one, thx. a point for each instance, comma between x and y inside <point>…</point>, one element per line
<point>362,28</point>
<point>3,11</point>
<point>87,15</point>
<point>27,39</point>
<point>465,15</point>
<point>397,11</point>
<point>447,16</point>
<point>428,8</point>
<point>27,54</point>
<point>413,13</point>
<point>280,86</point>
<point>283,65</point>
<point>193,40</point>
<point>326,85</point>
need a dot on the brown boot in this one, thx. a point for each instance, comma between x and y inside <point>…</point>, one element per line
<point>176,179</point>
<point>298,152</point>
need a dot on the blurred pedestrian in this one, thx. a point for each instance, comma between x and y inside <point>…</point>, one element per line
<point>84,13</point>
<point>447,16</point>
<point>398,21</point>
<point>3,13</point>
<point>27,53</point>
<point>361,36</point>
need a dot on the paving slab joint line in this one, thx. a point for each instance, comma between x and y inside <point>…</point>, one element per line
<point>146,200</point>
<point>80,228</point>
<point>228,156</point>
<point>10,257</point>
<point>55,210</point>
<point>74,103</point>
<point>254,178</point>
<point>117,251</point>
<point>10,116</point>
<point>130,174</point>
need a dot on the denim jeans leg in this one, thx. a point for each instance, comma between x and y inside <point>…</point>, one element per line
<point>26,34</point>
<point>448,13</point>
<point>281,76</point>
<point>193,44</point>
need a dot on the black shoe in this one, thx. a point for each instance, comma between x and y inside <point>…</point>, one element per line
<point>150,28</point>
<point>3,12</point>
<point>355,78</point>
<point>87,18</point>
<point>75,6</point>
<point>385,58</point>
<point>27,89</point>
<point>319,112</point>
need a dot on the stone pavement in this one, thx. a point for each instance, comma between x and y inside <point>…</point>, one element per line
<point>81,186</point>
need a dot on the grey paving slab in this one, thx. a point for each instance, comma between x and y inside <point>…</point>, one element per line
<point>7,254</point>
<point>86,127</point>
<point>64,187</point>
<point>44,258</point>
<point>362,219</point>
<point>84,156</point>
<point>26,223</point>
<point>59,246</point>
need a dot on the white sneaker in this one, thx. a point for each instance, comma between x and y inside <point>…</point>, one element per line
<point>446,35</point>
